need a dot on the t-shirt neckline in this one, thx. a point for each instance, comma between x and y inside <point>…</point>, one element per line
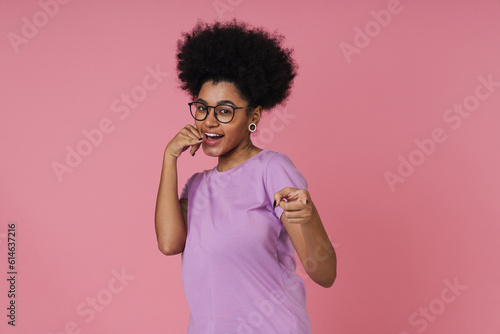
<point>215,171</point>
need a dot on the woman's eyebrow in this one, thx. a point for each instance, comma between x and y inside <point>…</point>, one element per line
<point>226,102</point>
<point>219,102</point>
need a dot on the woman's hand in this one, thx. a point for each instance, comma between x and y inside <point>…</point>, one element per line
<point>297,208</point>
<point>188,136</point>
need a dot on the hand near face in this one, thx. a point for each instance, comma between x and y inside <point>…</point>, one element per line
<point>188,136</point>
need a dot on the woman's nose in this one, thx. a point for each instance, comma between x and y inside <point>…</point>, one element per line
<point>211,120</point>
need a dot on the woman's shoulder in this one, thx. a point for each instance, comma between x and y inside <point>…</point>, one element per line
<point>281,172</point>
<point>198,176</point>
<point>277,162</point>
<point>275,157</point>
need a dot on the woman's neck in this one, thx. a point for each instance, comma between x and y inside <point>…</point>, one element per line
<point>237,156</point>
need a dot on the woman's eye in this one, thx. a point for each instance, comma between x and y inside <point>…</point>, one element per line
<point>225,110</point>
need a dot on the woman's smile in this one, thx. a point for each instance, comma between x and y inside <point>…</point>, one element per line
<point>212,139</point>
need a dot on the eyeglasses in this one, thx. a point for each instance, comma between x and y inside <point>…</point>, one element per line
<point>224,113</point>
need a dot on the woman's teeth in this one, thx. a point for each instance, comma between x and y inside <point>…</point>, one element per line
<point>211,135</point>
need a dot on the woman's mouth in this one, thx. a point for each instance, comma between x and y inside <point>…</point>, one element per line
<point>213,138</point>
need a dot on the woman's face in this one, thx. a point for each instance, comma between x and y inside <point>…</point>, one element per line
<point>235,133</point>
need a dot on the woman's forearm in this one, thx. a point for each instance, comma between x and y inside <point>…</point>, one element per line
<point>321,258</point>
<point>169,222</point>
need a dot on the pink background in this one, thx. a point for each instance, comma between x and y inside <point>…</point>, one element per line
<point>351,119</point>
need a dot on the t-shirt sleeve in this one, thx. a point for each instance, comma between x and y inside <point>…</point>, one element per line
<point>281,173</point>
<point>185,189</point>
<point>188,185</point>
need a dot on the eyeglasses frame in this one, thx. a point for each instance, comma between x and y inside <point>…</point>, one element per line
<point>208,111</point>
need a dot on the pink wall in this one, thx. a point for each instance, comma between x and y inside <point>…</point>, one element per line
<point>394,121</point>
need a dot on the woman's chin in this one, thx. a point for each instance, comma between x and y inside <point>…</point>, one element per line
<point>211,151</point>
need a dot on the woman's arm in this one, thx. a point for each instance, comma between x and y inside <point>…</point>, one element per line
<point>170,222</point>
<point>307,233</point>
<point>171,213</point>
<point>320,260</point>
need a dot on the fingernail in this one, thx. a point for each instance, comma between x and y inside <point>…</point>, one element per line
<point>274,204</point>
<point>193,153</point>
<point>200,138</point>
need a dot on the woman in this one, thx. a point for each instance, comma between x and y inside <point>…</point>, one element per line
<point>239,224</point>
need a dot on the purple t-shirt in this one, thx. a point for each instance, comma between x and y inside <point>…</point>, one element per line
<point>238,265</point>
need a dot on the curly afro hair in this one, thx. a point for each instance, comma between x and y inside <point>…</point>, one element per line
<point>250,58</point>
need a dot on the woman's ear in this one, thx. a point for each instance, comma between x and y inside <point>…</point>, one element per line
<point>255,115</point>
